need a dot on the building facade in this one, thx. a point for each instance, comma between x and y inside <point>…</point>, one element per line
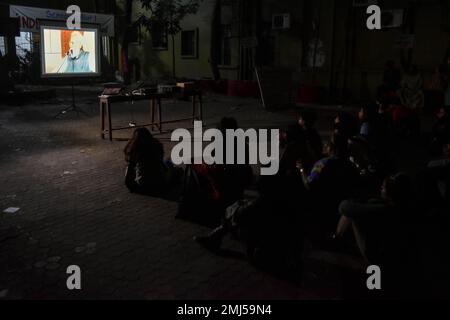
<point>325,43</point>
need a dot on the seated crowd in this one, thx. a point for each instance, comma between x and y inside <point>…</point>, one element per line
<point>348,191</point>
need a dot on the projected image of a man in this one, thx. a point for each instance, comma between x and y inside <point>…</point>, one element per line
<point>76,60</point>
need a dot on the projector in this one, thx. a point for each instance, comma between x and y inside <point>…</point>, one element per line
<point>112,89</point>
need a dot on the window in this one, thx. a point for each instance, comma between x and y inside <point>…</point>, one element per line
<point>159,37</point>
<point>189,44</point>
<point>2,46</point>
<point>225,45</point>
<point>24,45</point>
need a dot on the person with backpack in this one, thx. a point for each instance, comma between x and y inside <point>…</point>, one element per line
<point>146,173</point>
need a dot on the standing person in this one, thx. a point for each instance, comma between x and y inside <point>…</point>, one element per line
<point>146,171</point>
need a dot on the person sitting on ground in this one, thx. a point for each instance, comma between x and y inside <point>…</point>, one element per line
<point>304,131</point>
<point>392,78</point>
<point>400,117</point>
<point>345,125</point>
<point>383,140</point>
<point>377,222</point>
<point>384,125</point>
<point>440,132</point>
<point>233,178</point>
<point>375,129</point>
<point>439,169</point>
<point>384,232</point>
<point>302,142</point>
<point>332,179</point>
<point>271,217</point>
<point>307,122</point>
<point>215,187</point>
<point>146,171</point>
<point>435,90</point>
<point>368,121</point>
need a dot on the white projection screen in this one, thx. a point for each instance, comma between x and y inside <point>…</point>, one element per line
<point>70,53</point>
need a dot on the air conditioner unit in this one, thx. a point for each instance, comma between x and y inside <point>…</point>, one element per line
<point>364,3</point>
<point>391,18</point>
<point>281,21</point>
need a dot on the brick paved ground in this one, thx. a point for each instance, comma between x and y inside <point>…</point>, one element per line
<point>74,209</point>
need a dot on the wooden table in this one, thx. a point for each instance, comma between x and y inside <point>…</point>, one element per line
<point>155,109</point>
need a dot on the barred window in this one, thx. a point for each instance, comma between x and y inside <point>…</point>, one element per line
<point>2,46</point>
<point>24,44</point>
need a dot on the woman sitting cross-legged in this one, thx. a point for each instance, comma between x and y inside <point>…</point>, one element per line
<point>271,221</point>
<point>147,173</point>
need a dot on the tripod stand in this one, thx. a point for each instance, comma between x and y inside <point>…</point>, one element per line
<point>72,108</point>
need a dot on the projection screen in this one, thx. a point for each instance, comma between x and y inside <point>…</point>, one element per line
<point>69,53</point>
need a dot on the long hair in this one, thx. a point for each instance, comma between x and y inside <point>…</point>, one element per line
<point>140,145</point>
<point>371,112</point>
